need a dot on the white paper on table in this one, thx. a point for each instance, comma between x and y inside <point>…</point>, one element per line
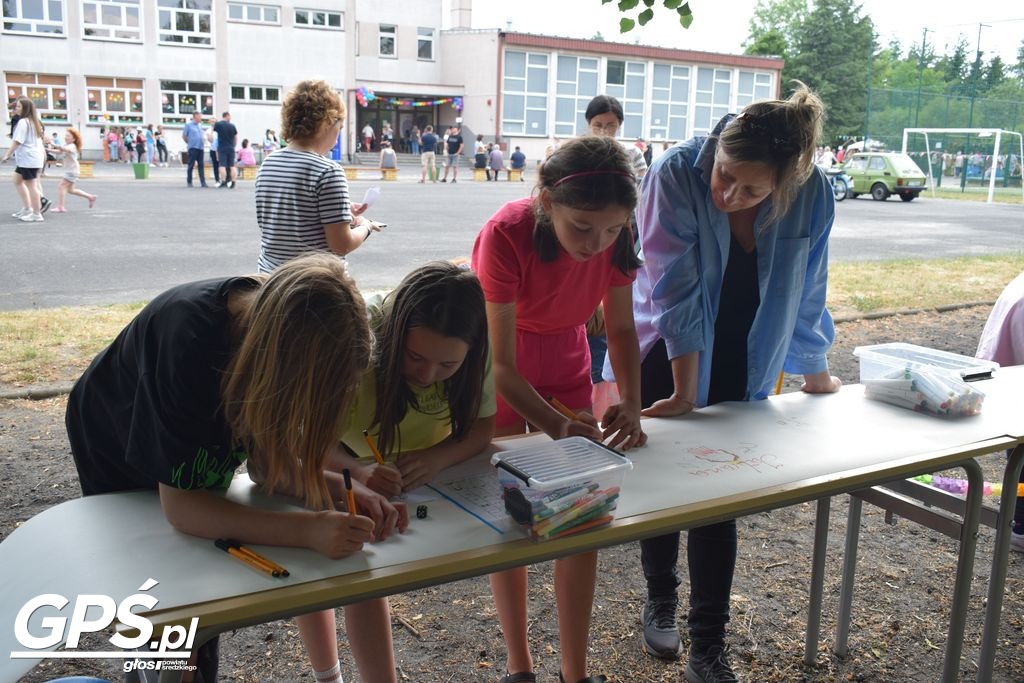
<point>371,196</point>
<point>423,494</point>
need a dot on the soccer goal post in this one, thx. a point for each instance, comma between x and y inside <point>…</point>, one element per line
<point>995,133</point>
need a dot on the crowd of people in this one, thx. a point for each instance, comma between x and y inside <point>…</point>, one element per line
<point>290,370</point>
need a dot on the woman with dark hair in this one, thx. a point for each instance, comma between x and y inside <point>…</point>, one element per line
<point>734,231</point>
<point>604,117</point>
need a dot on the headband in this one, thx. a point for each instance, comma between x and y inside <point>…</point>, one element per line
<point>600,171</point>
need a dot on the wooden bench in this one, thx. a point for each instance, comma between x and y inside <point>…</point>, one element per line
<point>351,172</point>
<point>85,169</point>
<point>479,174</point>
<point>247,172</point>
<point>515,175</point>
<point>389,173</point>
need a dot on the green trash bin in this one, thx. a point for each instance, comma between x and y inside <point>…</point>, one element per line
<point>141,171</point>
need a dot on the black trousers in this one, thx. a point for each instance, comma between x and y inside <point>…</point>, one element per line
<point>195,157</point>
<point>216,165</point>
<point>710,550</point>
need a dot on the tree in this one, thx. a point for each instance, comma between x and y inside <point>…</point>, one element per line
<point>1018,68</point>
<point>680,9</point>
<point>954,66</point>
<point>772,20</point>
<point>771,43</point>
<point>995,74</point>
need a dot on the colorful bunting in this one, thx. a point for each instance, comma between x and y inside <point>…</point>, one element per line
<point>366,95</point>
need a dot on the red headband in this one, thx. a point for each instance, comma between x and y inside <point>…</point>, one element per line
<point>582,174</point>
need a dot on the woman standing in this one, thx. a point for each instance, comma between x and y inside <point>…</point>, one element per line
<point>604,117</point>
<point>161,145</point>
<point>734,230</point>
<point>27,150</point>
<point>302,201</point>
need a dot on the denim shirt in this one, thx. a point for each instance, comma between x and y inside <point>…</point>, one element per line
<point>685,246</point>
<point>194,135</point>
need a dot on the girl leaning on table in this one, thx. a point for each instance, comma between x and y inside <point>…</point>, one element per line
<point>734,233</point>
<point>257,370</point>
<point>545,263</point>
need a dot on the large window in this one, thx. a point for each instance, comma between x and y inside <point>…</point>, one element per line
<point>626,81</point>
<point>387,37</point>
<point>256,94</point>
<point>524,93</point>
<point>180,98</point>
<point>48,92</point>
<point>254,14</point>
<point>114,100</point>
<point>185,22</point>
<point>670,97</point>
<point>41,17</point>
<point>575,86</point>
<point>424,43</point>
<point>314,18</point>
<point>753,87</point>
<point>713,91</point>
<point>112,20</point>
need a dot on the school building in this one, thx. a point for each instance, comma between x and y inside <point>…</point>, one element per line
<point>95,63</point>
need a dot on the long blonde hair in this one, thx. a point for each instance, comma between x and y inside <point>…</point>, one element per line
<point>304,345</point>
<point>782,134</point>
<point>28,111</point>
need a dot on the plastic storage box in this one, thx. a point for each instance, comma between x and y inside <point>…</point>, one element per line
<point>562,487</point>
<point>922,379</point>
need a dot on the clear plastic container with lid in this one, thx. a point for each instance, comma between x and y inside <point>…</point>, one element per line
<point>562,487</point>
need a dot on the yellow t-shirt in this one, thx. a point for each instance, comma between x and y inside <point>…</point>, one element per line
<point>423,428</point>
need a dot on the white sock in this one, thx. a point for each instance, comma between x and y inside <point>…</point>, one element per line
<point>332,675</point>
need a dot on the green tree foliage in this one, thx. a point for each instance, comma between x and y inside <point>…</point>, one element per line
<point>954,65</point>
<point>770,43</point>
<point>995,74</point>
<point>1018,67</point>
<point>774,25</point>
<point>644,10</point>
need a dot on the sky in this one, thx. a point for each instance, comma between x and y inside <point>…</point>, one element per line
<point>723,25</point>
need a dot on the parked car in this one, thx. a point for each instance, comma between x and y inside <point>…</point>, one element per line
<point>884,173</point>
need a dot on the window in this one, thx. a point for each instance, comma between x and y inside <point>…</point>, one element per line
<point>424,43</point>
<point>42,17</point>
<point>387,35</point>
<point>626,81</point>
<point>256,94</point>
<point>753,87</point>
<point>180,98</point>
<point>48,93</point>
<point>114,100</point>
<point>314,18</point>
<point>185,22</point>
<point>575,86</point>
<point>670,98</point>
<point>254,14</point>
<point>525,93</point>
<point>112,20</point>
<point>876,164</point>
<point>714,88</point>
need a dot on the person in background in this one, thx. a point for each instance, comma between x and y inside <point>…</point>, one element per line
<point>103,143</point>
<point>453,144</point>
<point>161,146</point>
<point>414,140</point>
<point>1002,340</point>
<point>141,146</point>
<point>115,154</point>
<point>495,162</point>
<point>388,158</point>
<point>193,135</point>
<point>270,143</point>
<point>367,138</point>
<point>480,154</point>
<point>71,150</point>
<point>127,139</point>
<point>27,149</point>
<point>517,161</point>
<point>211,139</point>
<point>428,159</point>
<point>648,152</point>
<point>150,145</point>
<point>604,117</point>
<point>734,232</point>
<point>245,156</point>
<point>226,136</point>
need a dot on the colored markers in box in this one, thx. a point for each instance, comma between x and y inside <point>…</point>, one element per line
<point>565,511</point>
<point>926,390</point>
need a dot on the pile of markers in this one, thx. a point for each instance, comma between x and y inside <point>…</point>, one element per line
<point>926,390</point>
<point>570,510</point>
<point>959,486</point>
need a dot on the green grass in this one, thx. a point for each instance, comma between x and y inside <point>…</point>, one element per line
<point>1004,195</point>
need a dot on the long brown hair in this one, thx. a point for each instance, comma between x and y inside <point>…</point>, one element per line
<point>782,134</point>
<point>76,138</point>
<point>586,190</point>
<point>28,111</point>
<point>304,345</point>
<point>445,299</point>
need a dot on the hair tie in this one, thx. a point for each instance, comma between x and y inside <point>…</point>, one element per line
<point>600,171</point>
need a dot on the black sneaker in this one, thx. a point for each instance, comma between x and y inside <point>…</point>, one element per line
<point>661,632</point>
<point>709,665</point>
<point>44,205</point>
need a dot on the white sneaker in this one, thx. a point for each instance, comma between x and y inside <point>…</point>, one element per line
<point>32,217</point>
<point>20,212</point>
<point>1016,542</point>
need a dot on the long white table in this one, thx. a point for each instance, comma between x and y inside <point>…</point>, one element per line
<point>718,463</point>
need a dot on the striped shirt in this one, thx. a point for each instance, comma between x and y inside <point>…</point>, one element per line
<point>297,194</point>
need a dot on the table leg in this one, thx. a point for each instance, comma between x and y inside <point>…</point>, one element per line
<point>168,676</point>
<point>997,579</point>
<point>964,569</point>
<point>817,581</point>
<point>849,576</point>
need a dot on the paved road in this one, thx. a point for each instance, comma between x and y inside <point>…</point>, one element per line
<point>145,236</point>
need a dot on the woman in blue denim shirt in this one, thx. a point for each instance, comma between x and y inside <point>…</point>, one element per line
<point>734,231</point>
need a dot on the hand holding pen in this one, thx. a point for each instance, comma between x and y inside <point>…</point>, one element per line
<point>578,423</point>
<point>384,478</point>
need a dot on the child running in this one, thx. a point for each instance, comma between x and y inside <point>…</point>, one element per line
<point>545,263</point>
<point>428,397</point>
<point>70,151</point>
<point>256,369</point>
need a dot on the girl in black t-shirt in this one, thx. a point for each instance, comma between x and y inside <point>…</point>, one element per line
<point>259,369</point>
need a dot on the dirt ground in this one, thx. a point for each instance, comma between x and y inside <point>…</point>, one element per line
<point>900,608</point>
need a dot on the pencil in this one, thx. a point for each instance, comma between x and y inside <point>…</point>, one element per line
<point>778,385</point>
<point>239,555</point>
<point>562,408</point>
<point>348,492</point>
<point>256,556</point>
<point>373,448</point>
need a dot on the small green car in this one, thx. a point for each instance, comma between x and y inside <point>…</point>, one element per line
<point>884,173</point>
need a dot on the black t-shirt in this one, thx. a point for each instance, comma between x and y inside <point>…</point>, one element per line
<point>226,133</point>
<point>738,304</point>
<point>148,409</point>
<point>454,142</point>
